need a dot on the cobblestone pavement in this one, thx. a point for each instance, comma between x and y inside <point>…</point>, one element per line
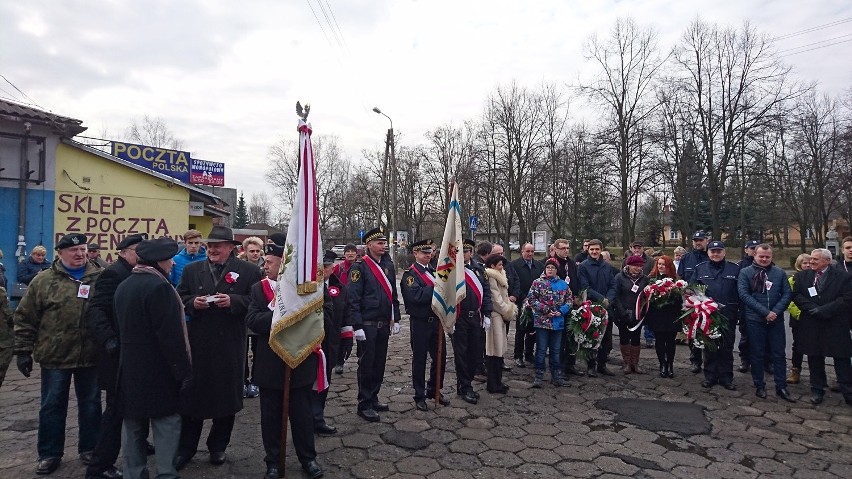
<point>550,432</point>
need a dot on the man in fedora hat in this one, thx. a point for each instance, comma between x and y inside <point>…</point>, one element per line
<point>375,307</point>
<point>215,294</point>
<point>155,373</point>
<point>101,321</point>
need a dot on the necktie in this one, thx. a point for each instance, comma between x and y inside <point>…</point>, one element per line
<point>530,265</point>
<point>817,277</point>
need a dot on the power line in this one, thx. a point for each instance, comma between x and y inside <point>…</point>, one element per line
<point>336,25</point>
<point>819,47</point>
<point>319,23</point>
<point>811,29</point>
<point>816,43</point>
<point>22,93</point>
<point>328,22</point>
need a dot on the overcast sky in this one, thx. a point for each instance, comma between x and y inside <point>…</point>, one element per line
<point>226,75</point>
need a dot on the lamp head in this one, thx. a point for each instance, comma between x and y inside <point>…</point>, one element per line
<point>376,109</point>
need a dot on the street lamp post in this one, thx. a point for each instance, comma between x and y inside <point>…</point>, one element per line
<point>392,225</point>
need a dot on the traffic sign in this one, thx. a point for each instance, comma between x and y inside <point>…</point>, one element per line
<point>361,234</point>
<point>474,222</point>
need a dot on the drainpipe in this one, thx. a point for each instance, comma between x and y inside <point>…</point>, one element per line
<point>21,251</point>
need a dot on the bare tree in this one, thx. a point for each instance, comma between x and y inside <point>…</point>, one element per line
<point>735,83</point>
<point>153,131</point>
<point>259,208</point>
<point>628,64</point>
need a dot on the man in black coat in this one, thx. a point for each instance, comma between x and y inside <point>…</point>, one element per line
<point>528,269</point>
<point>155,372</point>
<point>104,329</point>
<point>597,277</point>
<point>215,294</point>
<point>270,379</point>
<point>375,307</point>
<point>474,315</point>
<point>336,314</point>
<point>822,293</point>
<point>686,271</point>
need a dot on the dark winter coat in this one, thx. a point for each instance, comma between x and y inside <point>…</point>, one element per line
<point>827,332</point>
<point>597,277</point>
<point>29,269</point>
<point>154,360</point>
<point>336,314</point>
<point>269,367</point>
<point>526,276</point>
<point>755,306</point>
<point>624,306</point>
<point>721,281</point>
<point>217,336</point>
<point>101,321</point>
<point>667,318</point>
<point>567,270</point>
<point>688,263</point>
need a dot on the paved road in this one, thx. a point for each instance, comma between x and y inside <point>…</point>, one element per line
<point>594,428</point>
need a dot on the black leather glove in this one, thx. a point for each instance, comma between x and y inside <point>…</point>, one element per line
<point>25,364</point>
<point>111,347</point>
<point>815,312</point>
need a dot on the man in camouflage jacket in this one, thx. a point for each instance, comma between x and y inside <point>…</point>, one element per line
<point>50,327</point>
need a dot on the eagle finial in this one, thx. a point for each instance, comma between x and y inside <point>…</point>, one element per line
<point>303,112</point>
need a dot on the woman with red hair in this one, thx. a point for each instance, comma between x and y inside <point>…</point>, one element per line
<point>665,321</point>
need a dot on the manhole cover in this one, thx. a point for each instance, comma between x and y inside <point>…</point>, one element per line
<point>653,415</point>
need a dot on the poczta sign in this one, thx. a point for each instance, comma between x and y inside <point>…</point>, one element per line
<point>173,163</point>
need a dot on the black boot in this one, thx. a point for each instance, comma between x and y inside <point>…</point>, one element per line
<point>664,369</point>
<point>671,368</point>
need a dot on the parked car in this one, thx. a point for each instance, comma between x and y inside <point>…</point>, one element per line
<point>338,249</point>
<point>514,246</point>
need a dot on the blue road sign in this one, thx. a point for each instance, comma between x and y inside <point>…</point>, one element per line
<point>474,222</point>
<point>361,234</point>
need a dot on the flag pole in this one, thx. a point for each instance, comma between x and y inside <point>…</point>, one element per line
<point>285,415</point>
<point>439,377</point>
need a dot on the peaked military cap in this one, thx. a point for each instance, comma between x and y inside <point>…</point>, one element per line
<point>72,239</point>
<point>159,249</point>
<point>751,244</point>
<point>424,246</point>
<point>277,238</point>
<point>699,235</point>
<point>716,245</point>
<point>131,240</point>
<point>273,249</point>
<point>468,244</point>
<point>375,234</point>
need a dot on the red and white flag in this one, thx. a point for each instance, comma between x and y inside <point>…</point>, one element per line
<point>297,316</point>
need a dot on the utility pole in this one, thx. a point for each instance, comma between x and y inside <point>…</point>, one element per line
<point>389,145</point>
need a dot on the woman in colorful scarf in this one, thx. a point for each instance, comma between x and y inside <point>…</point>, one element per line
<point>550,301</point>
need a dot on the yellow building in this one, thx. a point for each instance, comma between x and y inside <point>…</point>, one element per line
<point>108,198</point>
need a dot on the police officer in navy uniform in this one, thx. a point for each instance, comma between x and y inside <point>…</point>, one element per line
<point>375,306</point>
<point>417,287</point>
<point>686,271</point>
<point>472,317</point>
<point>720,277</point>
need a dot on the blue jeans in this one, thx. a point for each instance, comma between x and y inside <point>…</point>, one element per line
<point>55,385</point>
<point>767,341</point>
<point>547,339</point>
<point>649,334</point>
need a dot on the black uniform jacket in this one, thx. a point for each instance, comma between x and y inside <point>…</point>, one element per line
<point>100,319</point>
<point>367,295</point>
<point>217,336</point>
<point>721,281</point>
<point>268,366</point>
<point>826,333</point>
<point>470,301</point>
<point>154,360</point>
<point>416,293</point>
<point>337,314</point>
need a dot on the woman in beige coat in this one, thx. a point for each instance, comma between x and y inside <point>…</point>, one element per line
<point>496,341</point>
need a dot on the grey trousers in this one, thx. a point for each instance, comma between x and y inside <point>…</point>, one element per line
<point>166,431</point>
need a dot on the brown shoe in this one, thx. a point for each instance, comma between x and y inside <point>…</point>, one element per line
<point>634,364</point>
<point>795,376</point>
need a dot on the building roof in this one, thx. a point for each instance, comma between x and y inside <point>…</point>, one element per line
<point>63,124</point>
<point>194,190</point>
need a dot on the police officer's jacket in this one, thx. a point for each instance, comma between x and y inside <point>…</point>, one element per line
<point>721,281</point>
<point>470,303</point>
<point>367,295</point>
<point>688,263</point>
<point>416,292</point>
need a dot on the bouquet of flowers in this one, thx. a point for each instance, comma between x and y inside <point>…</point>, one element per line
<point>588,324</point>
<point>702,322</point>
<point>658,294</point>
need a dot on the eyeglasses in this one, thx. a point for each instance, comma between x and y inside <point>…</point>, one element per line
<point>561,247</point>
